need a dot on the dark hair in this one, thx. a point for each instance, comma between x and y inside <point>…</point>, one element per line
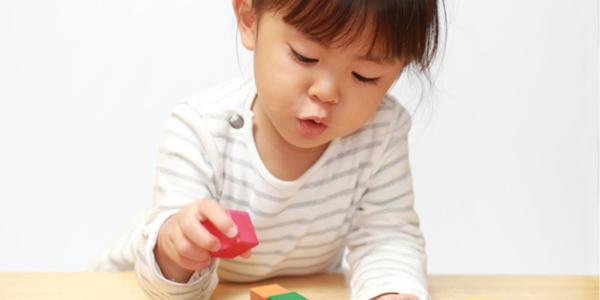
<point>402,29</point>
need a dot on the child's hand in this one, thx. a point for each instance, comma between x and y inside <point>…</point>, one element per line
<point>397,297</point>
<point>183,244</point>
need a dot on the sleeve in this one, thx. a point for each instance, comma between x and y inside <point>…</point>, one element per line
<point>386,249</point>
<point>184,174</point>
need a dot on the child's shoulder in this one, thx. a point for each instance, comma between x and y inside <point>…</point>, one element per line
<point>389,125</point>
<point>390,115</point>
<point>391,110</point>
<point>228,95</point>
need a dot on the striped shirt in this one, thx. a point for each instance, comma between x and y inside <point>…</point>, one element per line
<point>352,208</point>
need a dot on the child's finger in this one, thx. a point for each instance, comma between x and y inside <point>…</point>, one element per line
<point>191,264</point>
<point>188,249</point>
<point>192,230</point>
<point>246,254</point>
<point>211,210</point>
<point>176,245</point>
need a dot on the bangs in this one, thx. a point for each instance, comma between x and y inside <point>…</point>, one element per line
<point>396,29</point>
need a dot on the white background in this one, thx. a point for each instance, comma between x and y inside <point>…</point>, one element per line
<point>504,148</point>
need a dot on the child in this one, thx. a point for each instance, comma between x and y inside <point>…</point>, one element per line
<point>311,146</point>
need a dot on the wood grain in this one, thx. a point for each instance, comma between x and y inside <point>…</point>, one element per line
<point>116,286</point>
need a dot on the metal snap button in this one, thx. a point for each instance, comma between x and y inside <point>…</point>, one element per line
<point>236,121</point>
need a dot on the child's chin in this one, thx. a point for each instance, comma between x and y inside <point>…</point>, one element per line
<point>310,143</point>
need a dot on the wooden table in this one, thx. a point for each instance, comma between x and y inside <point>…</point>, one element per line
<point>115,286</point>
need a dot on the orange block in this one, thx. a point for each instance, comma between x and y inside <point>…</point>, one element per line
<point>265,291</point>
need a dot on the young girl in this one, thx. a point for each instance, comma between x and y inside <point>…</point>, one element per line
<point>310,146</point>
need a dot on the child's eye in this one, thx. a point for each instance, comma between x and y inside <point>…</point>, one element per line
<point>364,79</point>
<point>301,58</point>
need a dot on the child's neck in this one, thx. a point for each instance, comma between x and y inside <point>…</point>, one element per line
<point>284,160</point>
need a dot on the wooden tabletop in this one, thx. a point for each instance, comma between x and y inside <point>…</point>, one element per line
<point>115,286</point>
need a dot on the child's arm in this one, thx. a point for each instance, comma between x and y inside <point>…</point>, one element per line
<point>386,247</point>
<point>184,176</point>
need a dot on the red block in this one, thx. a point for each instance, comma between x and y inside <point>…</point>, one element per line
<point>242,242</point>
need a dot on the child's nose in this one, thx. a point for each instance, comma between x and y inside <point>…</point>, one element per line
<point>324,90</point>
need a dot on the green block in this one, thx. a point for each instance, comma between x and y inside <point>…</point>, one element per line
<point>288,296</point>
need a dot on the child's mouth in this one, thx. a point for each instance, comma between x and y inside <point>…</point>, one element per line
<point>311,128</point>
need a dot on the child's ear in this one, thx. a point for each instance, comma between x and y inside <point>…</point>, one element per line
<point>247,22</point>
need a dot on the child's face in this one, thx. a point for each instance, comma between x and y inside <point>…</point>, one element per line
<point>299,81</point>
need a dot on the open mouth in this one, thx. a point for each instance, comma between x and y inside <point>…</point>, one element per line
<point>311,127</point>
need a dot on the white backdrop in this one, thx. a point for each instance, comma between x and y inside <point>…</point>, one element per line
<point>504,149</point>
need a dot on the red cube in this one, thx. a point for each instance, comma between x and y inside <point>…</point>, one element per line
<point>242,242</point>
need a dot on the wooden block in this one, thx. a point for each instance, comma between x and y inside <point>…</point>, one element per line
<point>265,291</point>
<point>287,296</point>
<point>244,241</point>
